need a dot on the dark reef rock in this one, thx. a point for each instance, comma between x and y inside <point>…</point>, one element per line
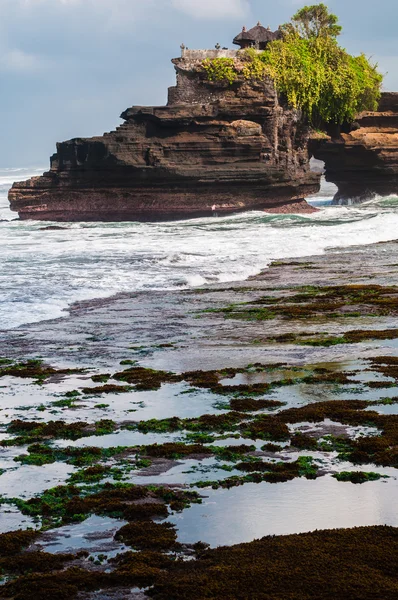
<point>233,145</point>
<point>363,162</point>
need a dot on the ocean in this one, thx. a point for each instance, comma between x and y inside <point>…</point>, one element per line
<point>42,272</point>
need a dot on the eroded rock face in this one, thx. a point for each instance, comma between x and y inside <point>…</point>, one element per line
<point>363,162</point>
<point>230,145</point>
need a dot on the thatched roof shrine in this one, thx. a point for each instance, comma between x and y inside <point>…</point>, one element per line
<point>258,36</point>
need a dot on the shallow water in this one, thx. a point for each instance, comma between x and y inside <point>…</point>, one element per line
<point>43,271</point>
<point>11,520</point>
<point>26,481</point>
<point>255,510</point>
<point>93,535</point>
<point>22,399</point>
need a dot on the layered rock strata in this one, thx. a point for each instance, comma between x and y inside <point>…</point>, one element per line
<point>233,146</point>
<point>363,161</point>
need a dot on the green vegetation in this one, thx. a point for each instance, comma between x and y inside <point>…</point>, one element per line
<point>259,471</point>
<point>358,476</point>
<point>149,536</point>
<point>30,432</point>
<point>309,69</point>
<point>322,79</point>
<point>314,22</point>
<point>107,389</point>
<point>353,337</point>
<point>32,369</point>
<point>73,504</point>
<point>220,69</point>
<point>362,560</point>
<point>41,454</point>
<point>327,302</point>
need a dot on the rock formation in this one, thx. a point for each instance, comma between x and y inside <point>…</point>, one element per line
<point>363,161</point>
<point>235,146</point>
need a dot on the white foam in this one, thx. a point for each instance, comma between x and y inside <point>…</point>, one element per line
<point>44,271</point>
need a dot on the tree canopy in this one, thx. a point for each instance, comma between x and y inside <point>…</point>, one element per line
<point>322,79</point>
<point>310,69</point>
<point>315,21</point>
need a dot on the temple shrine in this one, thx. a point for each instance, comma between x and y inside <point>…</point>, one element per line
<point>258,37</point>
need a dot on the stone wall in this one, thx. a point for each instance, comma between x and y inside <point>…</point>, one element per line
<point>389,102</point>
<point>192,90</point>
<point>202,54</point>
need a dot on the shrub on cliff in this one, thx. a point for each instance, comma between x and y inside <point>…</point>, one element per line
<point>322,79</point>
<point>220,69</point>
<point>310,69</point>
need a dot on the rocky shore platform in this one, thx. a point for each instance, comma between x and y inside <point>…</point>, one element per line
<point>141,432</point>
<point>362,159</point>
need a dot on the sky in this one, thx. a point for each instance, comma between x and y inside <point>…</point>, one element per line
<point>68,68</point>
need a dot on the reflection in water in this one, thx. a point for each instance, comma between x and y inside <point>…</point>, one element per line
<point>27,480</point>
<point>12,520</point>
<point>92,534</point>
<point>253,511</point>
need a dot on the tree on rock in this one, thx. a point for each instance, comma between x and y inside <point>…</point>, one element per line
<point>310,70</point>
<point>316,21</point>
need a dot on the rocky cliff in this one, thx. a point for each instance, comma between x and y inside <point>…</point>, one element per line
<point>233,145</point>
<point>363,160</point>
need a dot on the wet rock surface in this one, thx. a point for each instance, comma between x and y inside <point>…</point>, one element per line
<point>197,328</point>
<point>141,425</point>
<point>363,161</point>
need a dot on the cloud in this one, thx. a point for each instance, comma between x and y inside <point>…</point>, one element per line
<point>22,62</point>
<point>212,9</point>
<point>123,12</point>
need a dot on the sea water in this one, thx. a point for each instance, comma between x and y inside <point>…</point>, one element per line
<point>43,271</point>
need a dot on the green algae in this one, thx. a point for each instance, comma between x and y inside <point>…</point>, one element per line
<point>14,542</point>
<point>107,389</point>
<point>94,474</point>
<point>149,536</point>
<point>361,560</point>
<point>42,454</point>
<point>384,401</point>
<point>28,432</point>
<point>101,378</point>
<point>33,369</point>
<point>72,504</point>
<point>259,472</point>
<point>146,379</point>
<point>313,302</point>
<point>204,423</point>
<point>353,337</point>
<point>358,477</point>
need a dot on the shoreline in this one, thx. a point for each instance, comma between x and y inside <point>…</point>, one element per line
<point>98,301</point>
<point>184,407</point>
<point>252,285</point>
<point>174,262</point>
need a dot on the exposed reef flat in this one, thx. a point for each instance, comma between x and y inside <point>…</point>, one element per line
<point>234,146</point>
<point>142,427</point>
<point>228,322</point>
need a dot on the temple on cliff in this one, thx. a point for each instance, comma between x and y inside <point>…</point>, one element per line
<point>239,146</point>
<point>258,37</point>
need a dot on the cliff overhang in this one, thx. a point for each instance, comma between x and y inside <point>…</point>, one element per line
<point>362,159</point>
<point>234,146</point>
